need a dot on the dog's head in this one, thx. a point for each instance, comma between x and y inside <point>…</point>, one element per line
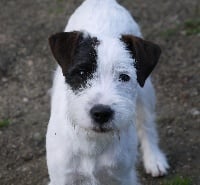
<point>102,76</point>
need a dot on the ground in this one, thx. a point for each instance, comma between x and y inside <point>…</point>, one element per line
<point>26,70</point>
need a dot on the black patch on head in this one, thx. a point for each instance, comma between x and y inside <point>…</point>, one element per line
<point>76,55</point>
<point>84,64</point>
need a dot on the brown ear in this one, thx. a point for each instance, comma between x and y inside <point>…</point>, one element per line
<point>63,46</point>
<point>145,53</point>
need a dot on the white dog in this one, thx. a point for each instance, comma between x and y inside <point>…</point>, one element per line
<point>101,96</point>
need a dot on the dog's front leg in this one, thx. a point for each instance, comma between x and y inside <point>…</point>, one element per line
<point>154,160</point>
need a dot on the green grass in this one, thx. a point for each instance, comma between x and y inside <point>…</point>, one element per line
<point>58,9</point>
<point>189,27</point>
<point>4,123</point>
<point>192,27</point>
<point>177,180</point>
<point>170,32</point>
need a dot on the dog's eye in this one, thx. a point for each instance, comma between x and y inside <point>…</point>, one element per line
<point>124,78</point>
<point>81,73</point>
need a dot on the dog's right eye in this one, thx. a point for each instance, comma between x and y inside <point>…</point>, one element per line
<point>78,73</point>
<point>124,78</point>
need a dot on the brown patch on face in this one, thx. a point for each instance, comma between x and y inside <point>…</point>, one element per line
<point>145,53</point>
<point>63,47</point>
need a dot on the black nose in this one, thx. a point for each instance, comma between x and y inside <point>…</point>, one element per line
<point>101,113</point>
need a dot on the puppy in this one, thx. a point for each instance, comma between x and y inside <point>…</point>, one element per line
<point>102,99</point>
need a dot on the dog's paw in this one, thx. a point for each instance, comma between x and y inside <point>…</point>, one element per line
<point>156,164</point>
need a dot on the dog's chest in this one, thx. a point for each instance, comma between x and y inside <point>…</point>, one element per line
<point>103,170</point>
<point>101,177</point>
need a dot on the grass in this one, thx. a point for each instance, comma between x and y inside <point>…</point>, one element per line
<point>189,27</point>
<point>4,123</point>
<point>58,9</point>
<point>192,27</point>
<point>170,32</point>
<point>177,180</point>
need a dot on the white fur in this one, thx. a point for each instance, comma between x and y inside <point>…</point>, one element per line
<point>76,154</point>
<point>103,17</point>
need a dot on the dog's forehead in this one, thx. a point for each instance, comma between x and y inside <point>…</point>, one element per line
<point>112,54</point>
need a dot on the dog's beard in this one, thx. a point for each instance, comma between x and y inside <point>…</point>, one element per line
<point>94,127</point>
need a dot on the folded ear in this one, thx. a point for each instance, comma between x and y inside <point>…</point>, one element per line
<point>145,53</point>
<point>63,47</point>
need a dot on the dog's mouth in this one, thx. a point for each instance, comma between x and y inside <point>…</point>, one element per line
<point>102,129</point>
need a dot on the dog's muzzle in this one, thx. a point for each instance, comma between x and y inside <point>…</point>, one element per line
<point>101,114</point>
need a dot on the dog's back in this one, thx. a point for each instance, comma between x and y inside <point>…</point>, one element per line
<point>103,17</point>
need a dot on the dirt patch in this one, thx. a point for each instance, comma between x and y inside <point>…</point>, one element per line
<point>26,69</point>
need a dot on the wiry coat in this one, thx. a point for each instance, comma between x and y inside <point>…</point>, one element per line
<point>78,153</point>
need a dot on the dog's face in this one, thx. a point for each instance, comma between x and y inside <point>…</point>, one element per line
<point>102,76</point>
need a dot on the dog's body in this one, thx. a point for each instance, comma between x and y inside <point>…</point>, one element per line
<point>98,71</point>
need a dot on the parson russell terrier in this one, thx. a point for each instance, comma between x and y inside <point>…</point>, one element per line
<point>102,99</point>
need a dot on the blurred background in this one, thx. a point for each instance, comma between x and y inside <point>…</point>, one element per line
<point>26,72</point>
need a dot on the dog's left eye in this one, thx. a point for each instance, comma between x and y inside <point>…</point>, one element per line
<point>81,73</point>
<point>124,77</point>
